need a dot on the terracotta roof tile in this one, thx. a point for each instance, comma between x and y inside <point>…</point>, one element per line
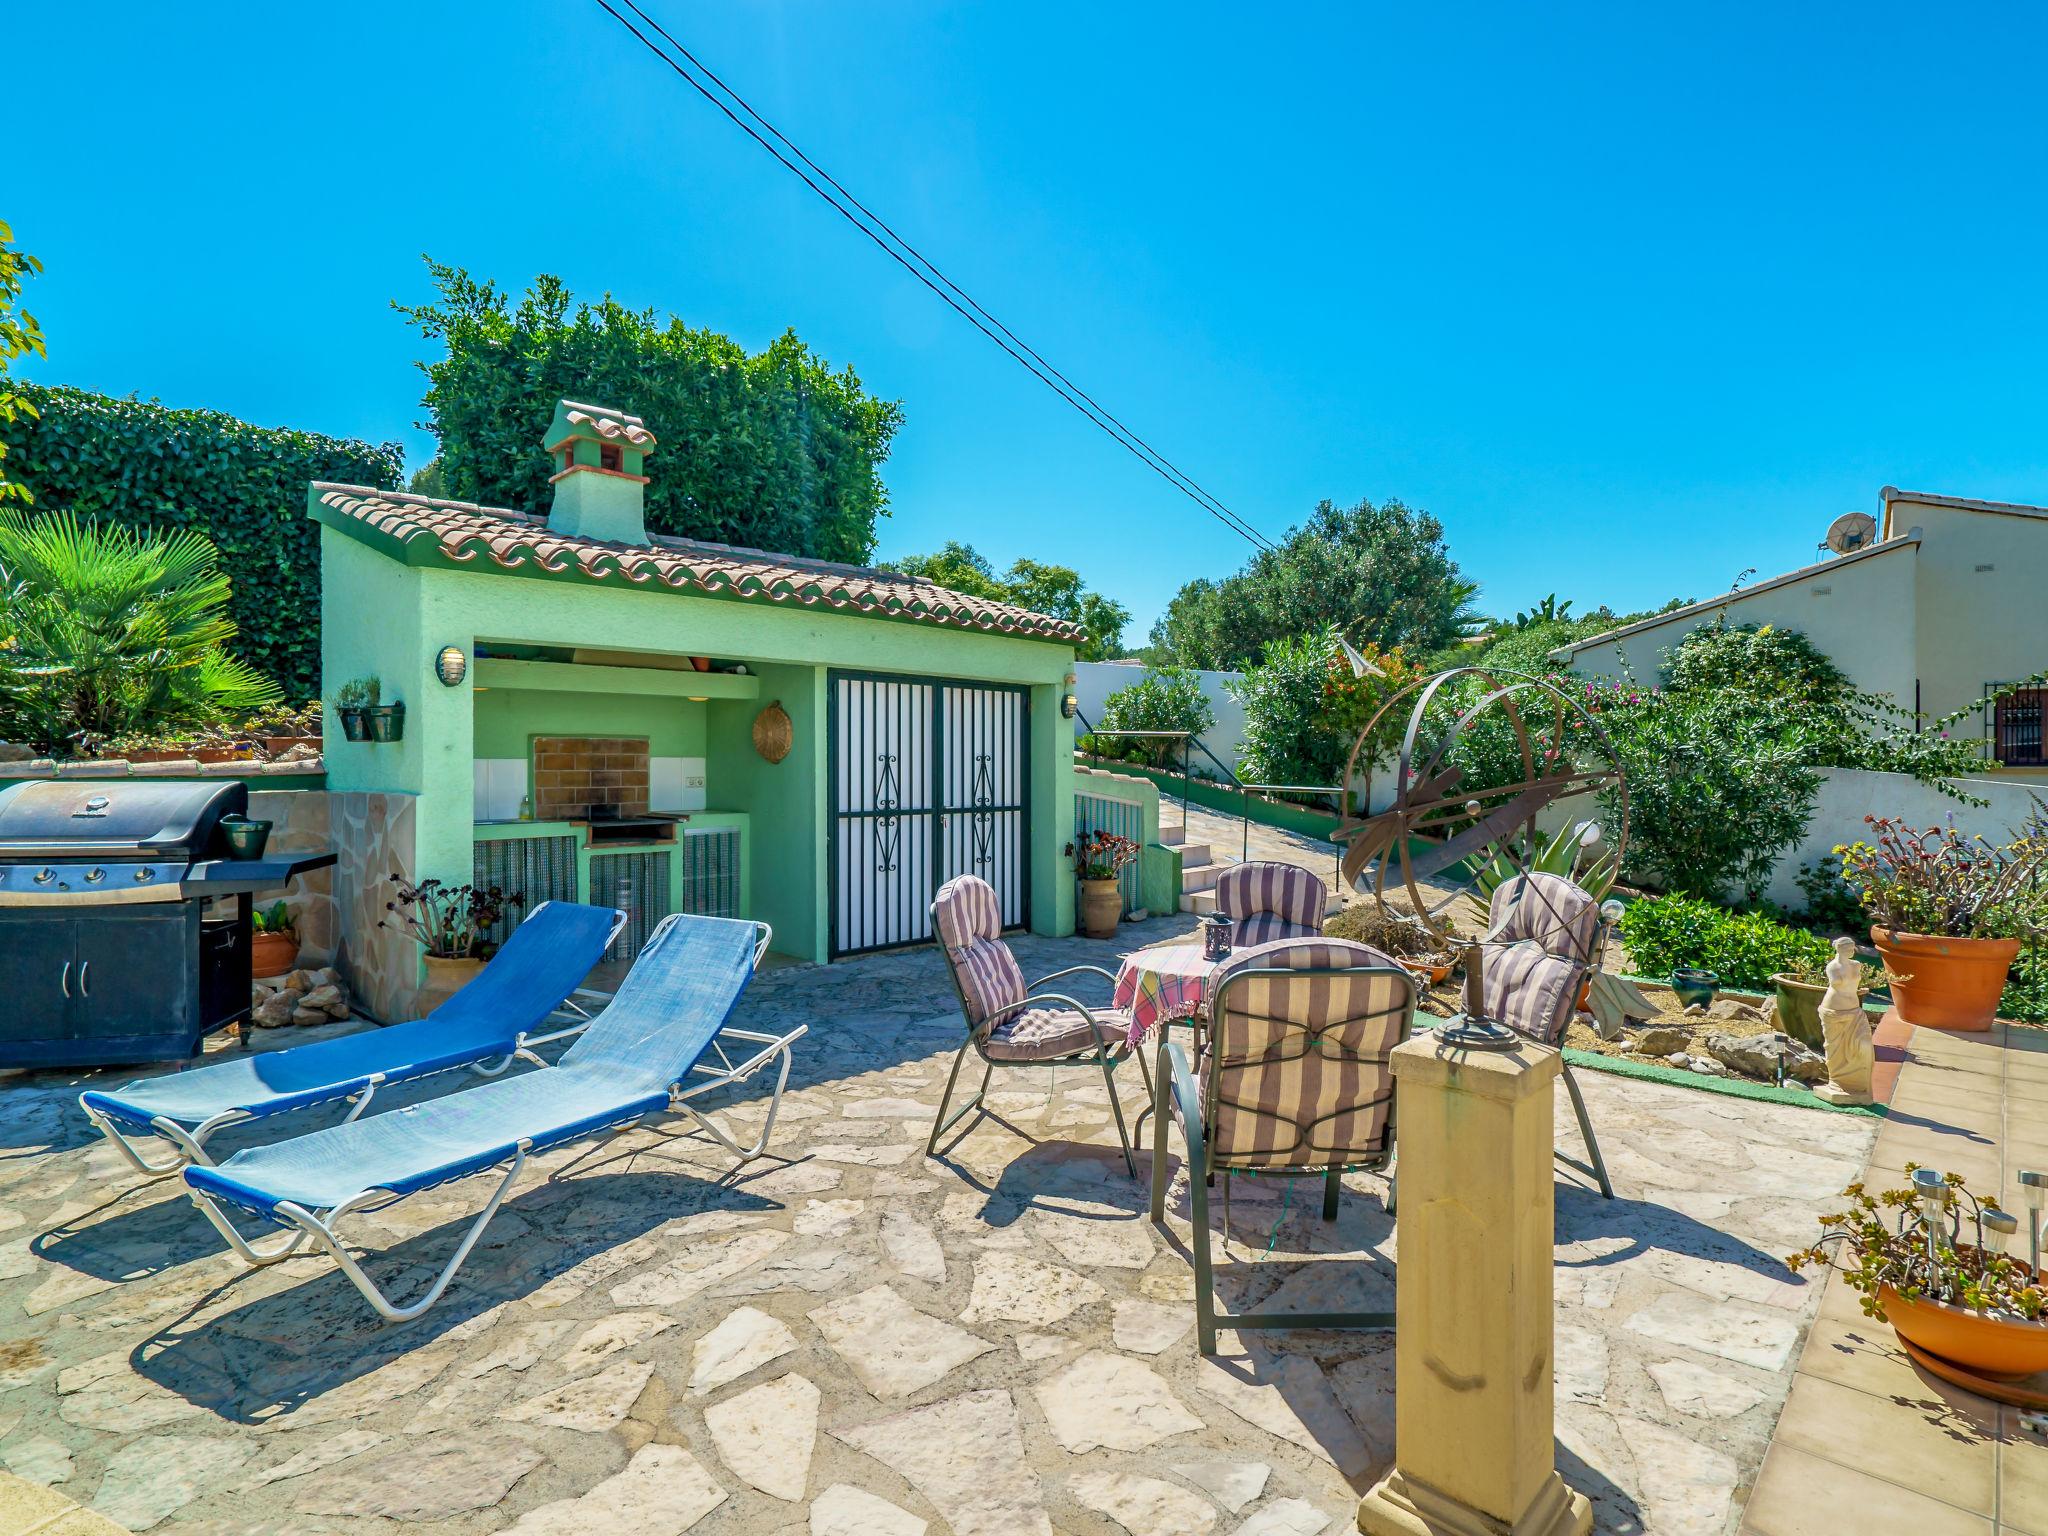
<point>465,535</point>
<point>611,424</point>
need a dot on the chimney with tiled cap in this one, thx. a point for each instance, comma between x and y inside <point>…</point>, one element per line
<point>600,486</point>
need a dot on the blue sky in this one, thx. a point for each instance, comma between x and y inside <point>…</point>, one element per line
<point>1632,297</point>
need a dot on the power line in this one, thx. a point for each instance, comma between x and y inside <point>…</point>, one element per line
<point>913,261</point>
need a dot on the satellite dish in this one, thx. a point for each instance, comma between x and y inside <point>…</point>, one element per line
<point>1851,531</point>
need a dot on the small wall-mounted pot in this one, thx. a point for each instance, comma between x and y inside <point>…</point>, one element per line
<point>353,726</point>
<point>386,722</point>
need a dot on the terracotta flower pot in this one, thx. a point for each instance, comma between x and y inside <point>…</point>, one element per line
<point>1102,905</point>
<point>272,954</point>
<point>2006,1348</point>
<point>1947,983</point>
<point>445,978</point>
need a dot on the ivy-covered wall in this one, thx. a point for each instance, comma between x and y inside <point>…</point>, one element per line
<point>147,466</point>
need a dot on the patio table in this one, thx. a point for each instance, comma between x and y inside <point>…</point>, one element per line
<point>1162,985</point>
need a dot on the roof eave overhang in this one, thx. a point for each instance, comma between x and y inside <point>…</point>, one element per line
<point>426,551</point>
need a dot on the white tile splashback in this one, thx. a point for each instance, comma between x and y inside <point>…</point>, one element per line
<point>675,784</point>
<point>500,787</point>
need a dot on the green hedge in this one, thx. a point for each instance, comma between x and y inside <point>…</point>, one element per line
<point>147,466</point>
<point>1745,948</point>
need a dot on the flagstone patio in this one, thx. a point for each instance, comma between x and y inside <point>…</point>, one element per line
<point>854,1340</point>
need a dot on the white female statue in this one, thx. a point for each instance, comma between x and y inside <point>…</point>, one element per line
<point>1846,1029</point>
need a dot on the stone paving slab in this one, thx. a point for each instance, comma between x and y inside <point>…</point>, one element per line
<point>851,1339</point>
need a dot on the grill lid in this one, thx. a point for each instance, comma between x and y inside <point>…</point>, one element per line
<point>53,818</point>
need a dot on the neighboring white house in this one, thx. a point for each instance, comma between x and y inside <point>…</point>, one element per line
<point>1095,681</point>
<point>1948,601</point>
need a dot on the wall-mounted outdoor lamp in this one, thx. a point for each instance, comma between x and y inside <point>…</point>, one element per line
<point>451,666</point>
<point>1070,706</point>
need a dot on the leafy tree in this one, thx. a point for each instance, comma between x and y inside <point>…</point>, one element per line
<point>1164,699</point>
<point>20,334</point>
<point>1379,574</point>
<point>771,449</point>
<point>1305,706</point>
<point>1053,589</point>
<point>110,632</point>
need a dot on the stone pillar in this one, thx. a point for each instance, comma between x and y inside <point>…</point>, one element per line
<point>1473,1406</point>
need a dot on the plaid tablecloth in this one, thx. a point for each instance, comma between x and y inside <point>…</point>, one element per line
<point>1161,985</point>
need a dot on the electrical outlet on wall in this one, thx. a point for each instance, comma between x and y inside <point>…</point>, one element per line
<point>676,784</point>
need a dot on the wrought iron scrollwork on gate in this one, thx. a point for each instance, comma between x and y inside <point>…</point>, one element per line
<point>888,827</point>
<point>981,800</point>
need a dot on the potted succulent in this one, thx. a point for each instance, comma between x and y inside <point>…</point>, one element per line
<point>1098,858</point>
<point>1905,1252</point>
<point>350,700</point>
<point>452,924</point>
<point>1948,914</point>
<point>274,945</point>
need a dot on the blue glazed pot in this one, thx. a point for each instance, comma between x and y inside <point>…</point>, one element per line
<point>1694,985</point>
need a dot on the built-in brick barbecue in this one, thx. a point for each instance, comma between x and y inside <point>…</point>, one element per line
<point>113,948</point>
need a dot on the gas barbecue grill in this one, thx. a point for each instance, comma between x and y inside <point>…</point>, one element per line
<point>113,948</point>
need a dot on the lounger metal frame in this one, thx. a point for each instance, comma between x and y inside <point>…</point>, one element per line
<point>191,1145</point>
<point>318,1226</point>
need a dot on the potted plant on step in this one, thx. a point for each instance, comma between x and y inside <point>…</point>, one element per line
<point>1948,914</point>
<point>1931,1261</point>
<point>274,944</point>
<point>452,924</point>
<point>1098,858</point>
<point>351,700</point>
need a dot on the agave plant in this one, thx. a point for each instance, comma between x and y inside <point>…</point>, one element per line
<point>1569,853</point>
<point>106,631</point>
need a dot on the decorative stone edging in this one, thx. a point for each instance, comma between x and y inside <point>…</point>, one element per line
<point>175,768</point>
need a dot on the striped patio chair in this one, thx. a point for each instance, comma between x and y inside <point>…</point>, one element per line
<point>1293,1078</point>
<point>1265,901</point>
<point>1543,940</point>
<point>1010,1023</point>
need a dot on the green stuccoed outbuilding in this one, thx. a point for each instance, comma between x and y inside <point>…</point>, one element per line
<point>593,712</point>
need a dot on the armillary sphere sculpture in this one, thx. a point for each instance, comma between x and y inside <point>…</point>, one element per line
<point>1439,836</point>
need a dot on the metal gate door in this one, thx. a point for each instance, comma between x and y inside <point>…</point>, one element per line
<point>928,780</point>
<point>982,767</point>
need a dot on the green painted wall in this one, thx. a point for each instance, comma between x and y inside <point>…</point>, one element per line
<point>390,618</point>
<point>507,719</point>
<point>785,802</point>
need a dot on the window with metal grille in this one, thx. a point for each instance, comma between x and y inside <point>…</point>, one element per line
<point>536,868</point>
<point>2012,725</point>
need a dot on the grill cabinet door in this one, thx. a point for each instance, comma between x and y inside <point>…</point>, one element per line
<point>136,980</point>
<point>36,966</point>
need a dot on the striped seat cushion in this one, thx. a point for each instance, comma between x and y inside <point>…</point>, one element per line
<point>1530,991</point>
<point>1047,1034</point>
<point>1557,915</point>
<point>1265,928</point>
<point>1286,893</point>
<point>969,922</point>
<point>1299,1064</point>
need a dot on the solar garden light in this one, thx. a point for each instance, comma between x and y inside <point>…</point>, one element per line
<point>1995,1230</point>
<point>1932,1189</point>
<point>2034,1190</point>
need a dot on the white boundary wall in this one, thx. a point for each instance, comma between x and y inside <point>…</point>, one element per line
<point>1095,681</point>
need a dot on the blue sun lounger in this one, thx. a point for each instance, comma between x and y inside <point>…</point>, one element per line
<point>642,1056</point>
<point>531,977</point>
